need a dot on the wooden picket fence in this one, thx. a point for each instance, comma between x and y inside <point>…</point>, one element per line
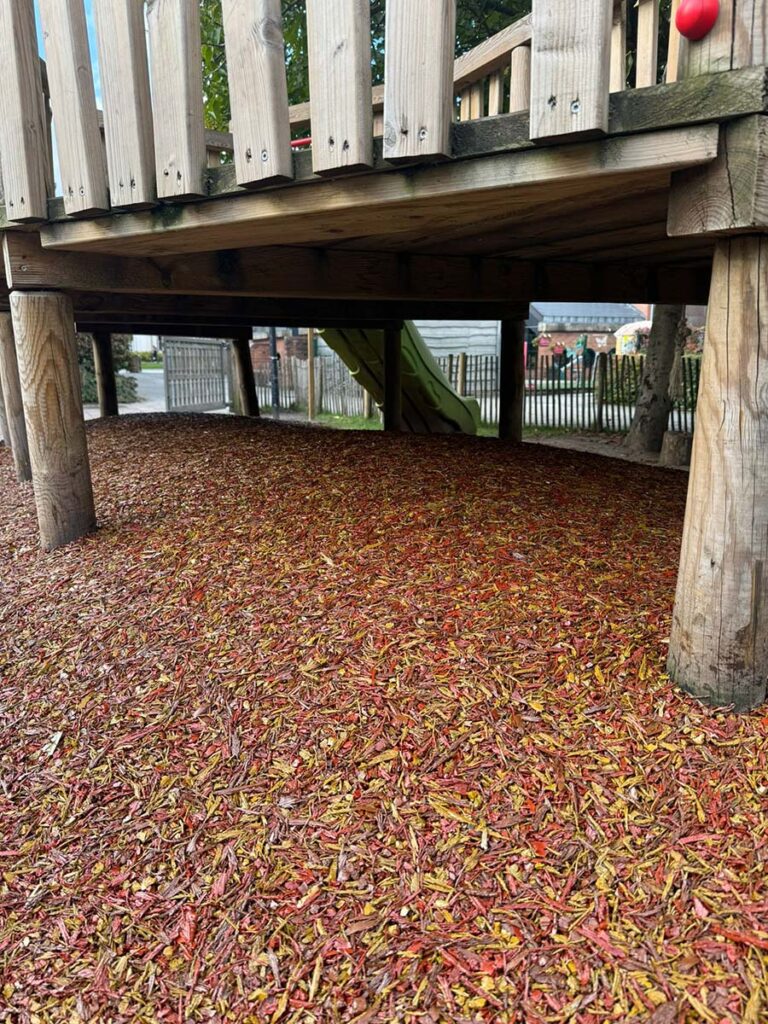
<point>337,393</point>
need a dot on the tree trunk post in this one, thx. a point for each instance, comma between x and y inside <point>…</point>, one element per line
<point>104,365</point>
<point>719,645</point>
<point>248,399</point>
<point>654,403</point>
<point>393,379</point>
<point>44,326</point>
<point>10,385</point>
<point>512,381</point>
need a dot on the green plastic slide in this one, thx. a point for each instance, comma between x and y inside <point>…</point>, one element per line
<point>430,404</point>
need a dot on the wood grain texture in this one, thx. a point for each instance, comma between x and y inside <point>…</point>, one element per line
<point>731,195</point>
<point>571,68</point>
<point>253,34</point>
<point>24,150</point>
<point>674,52</point>
<point>719,644</point>
<point>618,74</point>
<point>73,102</point>
<point>10,385</point>
<point>520,79</point>
<point>177,97</point>
<point>385,203</point>
<point>647,43</point>
<point>43,323</point>
<point>128,131</point>
<point>738,40</point>
<point>418,76</point>
<point>4,421</point>
<point>495,94</point>
<point>104,369</point>
<point>339,46</point>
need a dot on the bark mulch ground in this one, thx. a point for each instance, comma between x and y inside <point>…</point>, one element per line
<point>336,727</point>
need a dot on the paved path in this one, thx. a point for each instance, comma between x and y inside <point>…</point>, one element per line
<point>151,393</point>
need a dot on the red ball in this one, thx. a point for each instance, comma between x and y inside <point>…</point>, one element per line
<point>696,18</point>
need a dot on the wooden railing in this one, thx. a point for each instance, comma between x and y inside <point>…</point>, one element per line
<point>151,144</point>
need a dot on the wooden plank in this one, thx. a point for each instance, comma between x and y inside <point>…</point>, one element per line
<point>619,46</point>
<point>419,90</point>
<point>647,43</point>
<point>43,323</point>
<point>73,101</point>
<point>177,97</point>
<point>571,68</point>
<point>675,50</point>
<point>520,79</point>
<point>339,45</point>
<point>719,644</point>
<point>124,72</point>
<point>739,39</point>
<point>495,94</point>
<point>258,90</point>
<point>10,387</point>
<point>512,380</point>
<point>731,195</point>
<point>23,131</point>
<point>383,203</point>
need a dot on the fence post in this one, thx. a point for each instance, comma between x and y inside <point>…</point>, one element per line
<point>461,386</point>
<point>601,372</point>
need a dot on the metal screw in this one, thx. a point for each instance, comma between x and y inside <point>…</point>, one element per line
<point>575,107</point>
<point>264,156</point>
<point>422,134</point>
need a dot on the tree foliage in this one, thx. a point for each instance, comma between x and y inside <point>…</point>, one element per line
<point>121,353</point>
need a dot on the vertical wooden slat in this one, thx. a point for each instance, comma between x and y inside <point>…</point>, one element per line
<point>571,68</point>
<point>177,97</point>
<point>258,90</point>
<point>124,71</point>
<point>495,94</point>
<point>619,46</point>
<point>738,40</point>
<point>418,95</point>
<point>23,134</point>
<point>520,79</point>
<point>647,43</point>
<point>73,101</point>
<point>674,53</point>
<point>11,399</point>
<point>339,45</point>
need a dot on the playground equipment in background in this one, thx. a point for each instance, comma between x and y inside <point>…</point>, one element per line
<point>430,404</point>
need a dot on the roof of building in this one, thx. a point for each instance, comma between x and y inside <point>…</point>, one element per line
<point>584,313</point>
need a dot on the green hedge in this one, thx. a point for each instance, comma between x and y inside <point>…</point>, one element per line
<point>121,352</point>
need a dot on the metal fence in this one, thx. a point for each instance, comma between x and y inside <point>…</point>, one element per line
<point>198,374</point>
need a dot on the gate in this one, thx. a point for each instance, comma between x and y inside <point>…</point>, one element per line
<point>198,374</point>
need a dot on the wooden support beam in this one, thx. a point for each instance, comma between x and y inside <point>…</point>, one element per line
<point>43,323</point>
<point>393,378</point>
<point>253,34</point>
<point>418,78</point>
<point>128,129</point>
<point>177,97</point>
<point>719,645</point>
<point>512,380</point>
<point>104,365</point>
<point>386,203</point>
<point>10,386</point>
<point>339,45</point>
<point>73,101</point>
<point>729,196</point>
<point>248,398</point>
<point>24,149</point>
<point>571,69</point>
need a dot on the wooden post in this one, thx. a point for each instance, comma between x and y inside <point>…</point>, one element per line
<point>253,34</point>
<point>418,76</point>
<point>571,68</point>
<point>461,386</point>
<point>44,326</point>
<point>311,397</point>
<point>647,43</point>
<point>244,377</point>
<point>601,377</point>
<point>512,380</point>
<point>393,379</point>
<point>719,645</point>
<point>619,46</point>
<point>104,365</point>
<point>520,79</point>
<point>339,45</point>
<point>367,405</point>
<point>10,386</point>
<point>4,422</point>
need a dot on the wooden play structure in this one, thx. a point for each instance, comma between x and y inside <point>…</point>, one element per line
<point>526,169</point>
